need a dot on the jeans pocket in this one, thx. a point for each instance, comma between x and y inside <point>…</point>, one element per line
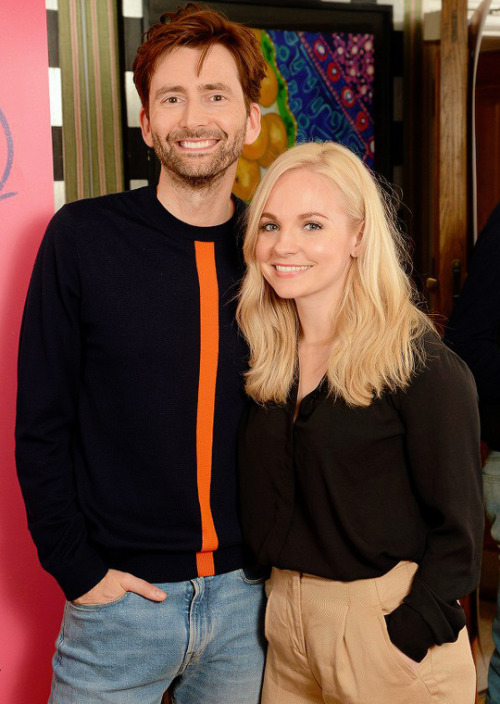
<point>255,574</point>
<point>99,607</point>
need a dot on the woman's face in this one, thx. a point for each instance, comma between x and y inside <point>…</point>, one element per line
<point>306,239</point>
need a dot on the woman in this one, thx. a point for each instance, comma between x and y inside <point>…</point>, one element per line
<point>360,470</point>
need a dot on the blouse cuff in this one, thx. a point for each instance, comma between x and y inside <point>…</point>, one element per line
<point>409,632</point>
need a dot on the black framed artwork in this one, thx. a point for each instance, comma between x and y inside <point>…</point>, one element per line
<point>329,77</point>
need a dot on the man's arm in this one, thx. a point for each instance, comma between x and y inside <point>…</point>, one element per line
<point>49,367</point>
<point>51,354</point>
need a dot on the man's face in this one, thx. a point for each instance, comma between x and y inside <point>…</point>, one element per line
<point>198,124</point>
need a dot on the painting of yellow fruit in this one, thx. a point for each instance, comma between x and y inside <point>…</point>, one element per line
<point>277,141</point>
<point>268,87</point>
<point>274,137</point>
<point>247,178</point>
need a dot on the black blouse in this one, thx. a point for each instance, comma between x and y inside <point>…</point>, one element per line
<point>347,492</point>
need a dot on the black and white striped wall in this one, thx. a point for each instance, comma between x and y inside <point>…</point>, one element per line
<point>55,101</point>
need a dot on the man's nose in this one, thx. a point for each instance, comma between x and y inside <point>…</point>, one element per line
<point>194,115</point>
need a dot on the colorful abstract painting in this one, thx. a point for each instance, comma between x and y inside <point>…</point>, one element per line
<point>319,86</point>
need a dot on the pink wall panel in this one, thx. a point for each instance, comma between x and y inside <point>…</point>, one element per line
<point>30,601</point>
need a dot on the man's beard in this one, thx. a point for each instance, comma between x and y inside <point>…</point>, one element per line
<point>198,171</point>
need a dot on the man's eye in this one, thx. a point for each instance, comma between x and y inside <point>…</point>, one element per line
<point>217,98</point>
<point>171,100</point>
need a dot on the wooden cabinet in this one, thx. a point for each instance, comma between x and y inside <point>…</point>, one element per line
<point>442,240</point>
<point>445,240</point>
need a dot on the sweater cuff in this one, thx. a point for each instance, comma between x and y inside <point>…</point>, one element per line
<point>409,632</point>
<point>75,581</point>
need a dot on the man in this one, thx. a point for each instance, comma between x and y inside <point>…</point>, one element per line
<point>474,333</point>
<point>130,394</point>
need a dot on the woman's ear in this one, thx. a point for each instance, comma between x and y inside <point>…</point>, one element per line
<point>359,238</point>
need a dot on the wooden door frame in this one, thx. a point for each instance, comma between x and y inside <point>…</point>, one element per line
<point>451,242</point>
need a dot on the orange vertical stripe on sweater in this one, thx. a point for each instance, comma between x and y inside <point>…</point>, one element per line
<point>209,356</point>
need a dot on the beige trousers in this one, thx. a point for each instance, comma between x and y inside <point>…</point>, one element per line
<point>328,644</point>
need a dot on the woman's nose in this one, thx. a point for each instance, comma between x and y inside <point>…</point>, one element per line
<point>285,243</point>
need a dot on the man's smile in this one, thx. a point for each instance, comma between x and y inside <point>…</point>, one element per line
<point>197,144</point>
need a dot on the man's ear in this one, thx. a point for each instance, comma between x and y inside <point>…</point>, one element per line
<point>145,127</point>
<point>253,124</point>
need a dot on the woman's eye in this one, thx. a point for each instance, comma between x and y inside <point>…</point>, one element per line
<point>312,226</point>
<point>268,226</point>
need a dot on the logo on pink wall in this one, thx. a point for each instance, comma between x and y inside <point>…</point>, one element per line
<point>6,155</point>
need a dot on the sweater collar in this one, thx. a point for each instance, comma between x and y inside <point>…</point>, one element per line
<point>168,222</point>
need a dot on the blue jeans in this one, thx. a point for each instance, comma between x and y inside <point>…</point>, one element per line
<point>491,484</point>
<point>205,641</point>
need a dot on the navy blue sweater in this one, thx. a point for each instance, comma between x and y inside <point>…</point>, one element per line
<point>130,394</point>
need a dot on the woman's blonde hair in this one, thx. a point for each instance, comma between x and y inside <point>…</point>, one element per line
<point>377,343</point>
